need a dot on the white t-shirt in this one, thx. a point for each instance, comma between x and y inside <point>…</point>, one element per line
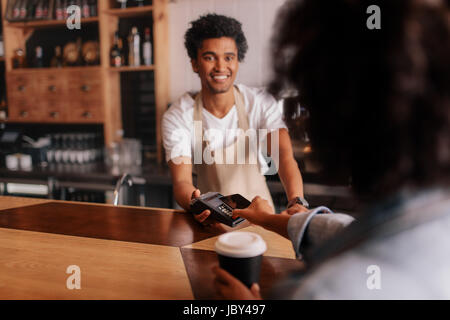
<point>263,112</point>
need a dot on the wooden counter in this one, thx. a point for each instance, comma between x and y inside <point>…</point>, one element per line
<point>121,252</point>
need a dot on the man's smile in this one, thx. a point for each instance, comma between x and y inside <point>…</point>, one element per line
<point>220,77</point>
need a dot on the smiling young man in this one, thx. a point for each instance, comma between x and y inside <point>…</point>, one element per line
<point>209,125</point>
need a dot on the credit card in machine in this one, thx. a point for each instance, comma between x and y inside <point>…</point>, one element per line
<point>221,207</point>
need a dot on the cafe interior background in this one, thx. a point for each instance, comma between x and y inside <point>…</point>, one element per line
<point>79,119</point>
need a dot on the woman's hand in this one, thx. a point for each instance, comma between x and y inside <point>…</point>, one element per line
<point>230,288</point>
<point>260,213</point>
<point>256,212</point>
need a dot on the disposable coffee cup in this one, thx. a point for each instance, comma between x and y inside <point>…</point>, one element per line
<point>240,253</point>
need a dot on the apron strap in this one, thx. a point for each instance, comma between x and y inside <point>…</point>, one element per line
<point>240,108</point>
<point>198,134</point>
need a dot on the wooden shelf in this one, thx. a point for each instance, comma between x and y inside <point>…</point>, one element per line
<point>27,70</point>
<point>132,69</point>
<point>107,80</point>
<point>41,24</point>
<point>129,12</point>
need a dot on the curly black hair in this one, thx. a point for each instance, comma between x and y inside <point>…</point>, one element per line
<point>214,26</point>
<point>379,100</point>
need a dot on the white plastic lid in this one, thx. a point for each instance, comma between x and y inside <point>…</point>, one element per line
<point>240,244</point>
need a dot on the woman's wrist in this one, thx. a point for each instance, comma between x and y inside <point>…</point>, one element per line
<point>278,223</point>
<point>266,219</point>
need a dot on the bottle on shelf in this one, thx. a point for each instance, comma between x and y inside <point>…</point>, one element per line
<point>147,48</point>
<point>39,58</point>
<point>123,4</point>
<point>59,10</point>
<point>57,60</point>
<point>16,10</point>
<point>85,9</point>
<point>116,55</point>
<point>31,9</point>
<point>23,9</point>
<point>134,56</point>
<point>46,9</point>
<point>19,59</point>
<point>39,10</point>
<point>67,3</point>
<point>93,8</point>
<point>2,47</point>
<point>140,3</point>
<point>122,51</point>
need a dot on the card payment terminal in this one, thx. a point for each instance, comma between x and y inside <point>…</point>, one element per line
<point>221,207</point>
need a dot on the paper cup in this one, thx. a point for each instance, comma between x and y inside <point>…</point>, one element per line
<point>240,253</point>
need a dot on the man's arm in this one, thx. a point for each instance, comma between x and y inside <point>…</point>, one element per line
<point>288,170</point>
<point>183,188</point>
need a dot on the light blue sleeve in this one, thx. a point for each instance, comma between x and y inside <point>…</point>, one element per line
<point>312,228</point>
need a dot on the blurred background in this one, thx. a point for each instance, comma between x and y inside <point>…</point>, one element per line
<point>81,108</point>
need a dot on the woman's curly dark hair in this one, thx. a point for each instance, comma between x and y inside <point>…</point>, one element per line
<point>214,26</point>
<point>379,100</point>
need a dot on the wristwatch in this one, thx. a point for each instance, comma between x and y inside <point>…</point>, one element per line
<point>298,200</point>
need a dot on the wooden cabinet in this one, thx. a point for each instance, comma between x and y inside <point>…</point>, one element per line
<point>87,106</point>
<point>21,85</point>
<point>85,94</point>
<point>25,111</point>
<point>21,92</point>
<point>51,93</point>
<point>60,96</point>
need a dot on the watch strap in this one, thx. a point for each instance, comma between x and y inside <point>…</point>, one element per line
<point>298,200</point>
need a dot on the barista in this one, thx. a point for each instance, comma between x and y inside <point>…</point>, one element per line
<point>198,128</point>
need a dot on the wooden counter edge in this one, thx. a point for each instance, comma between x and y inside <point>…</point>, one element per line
<point>35,201</point>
